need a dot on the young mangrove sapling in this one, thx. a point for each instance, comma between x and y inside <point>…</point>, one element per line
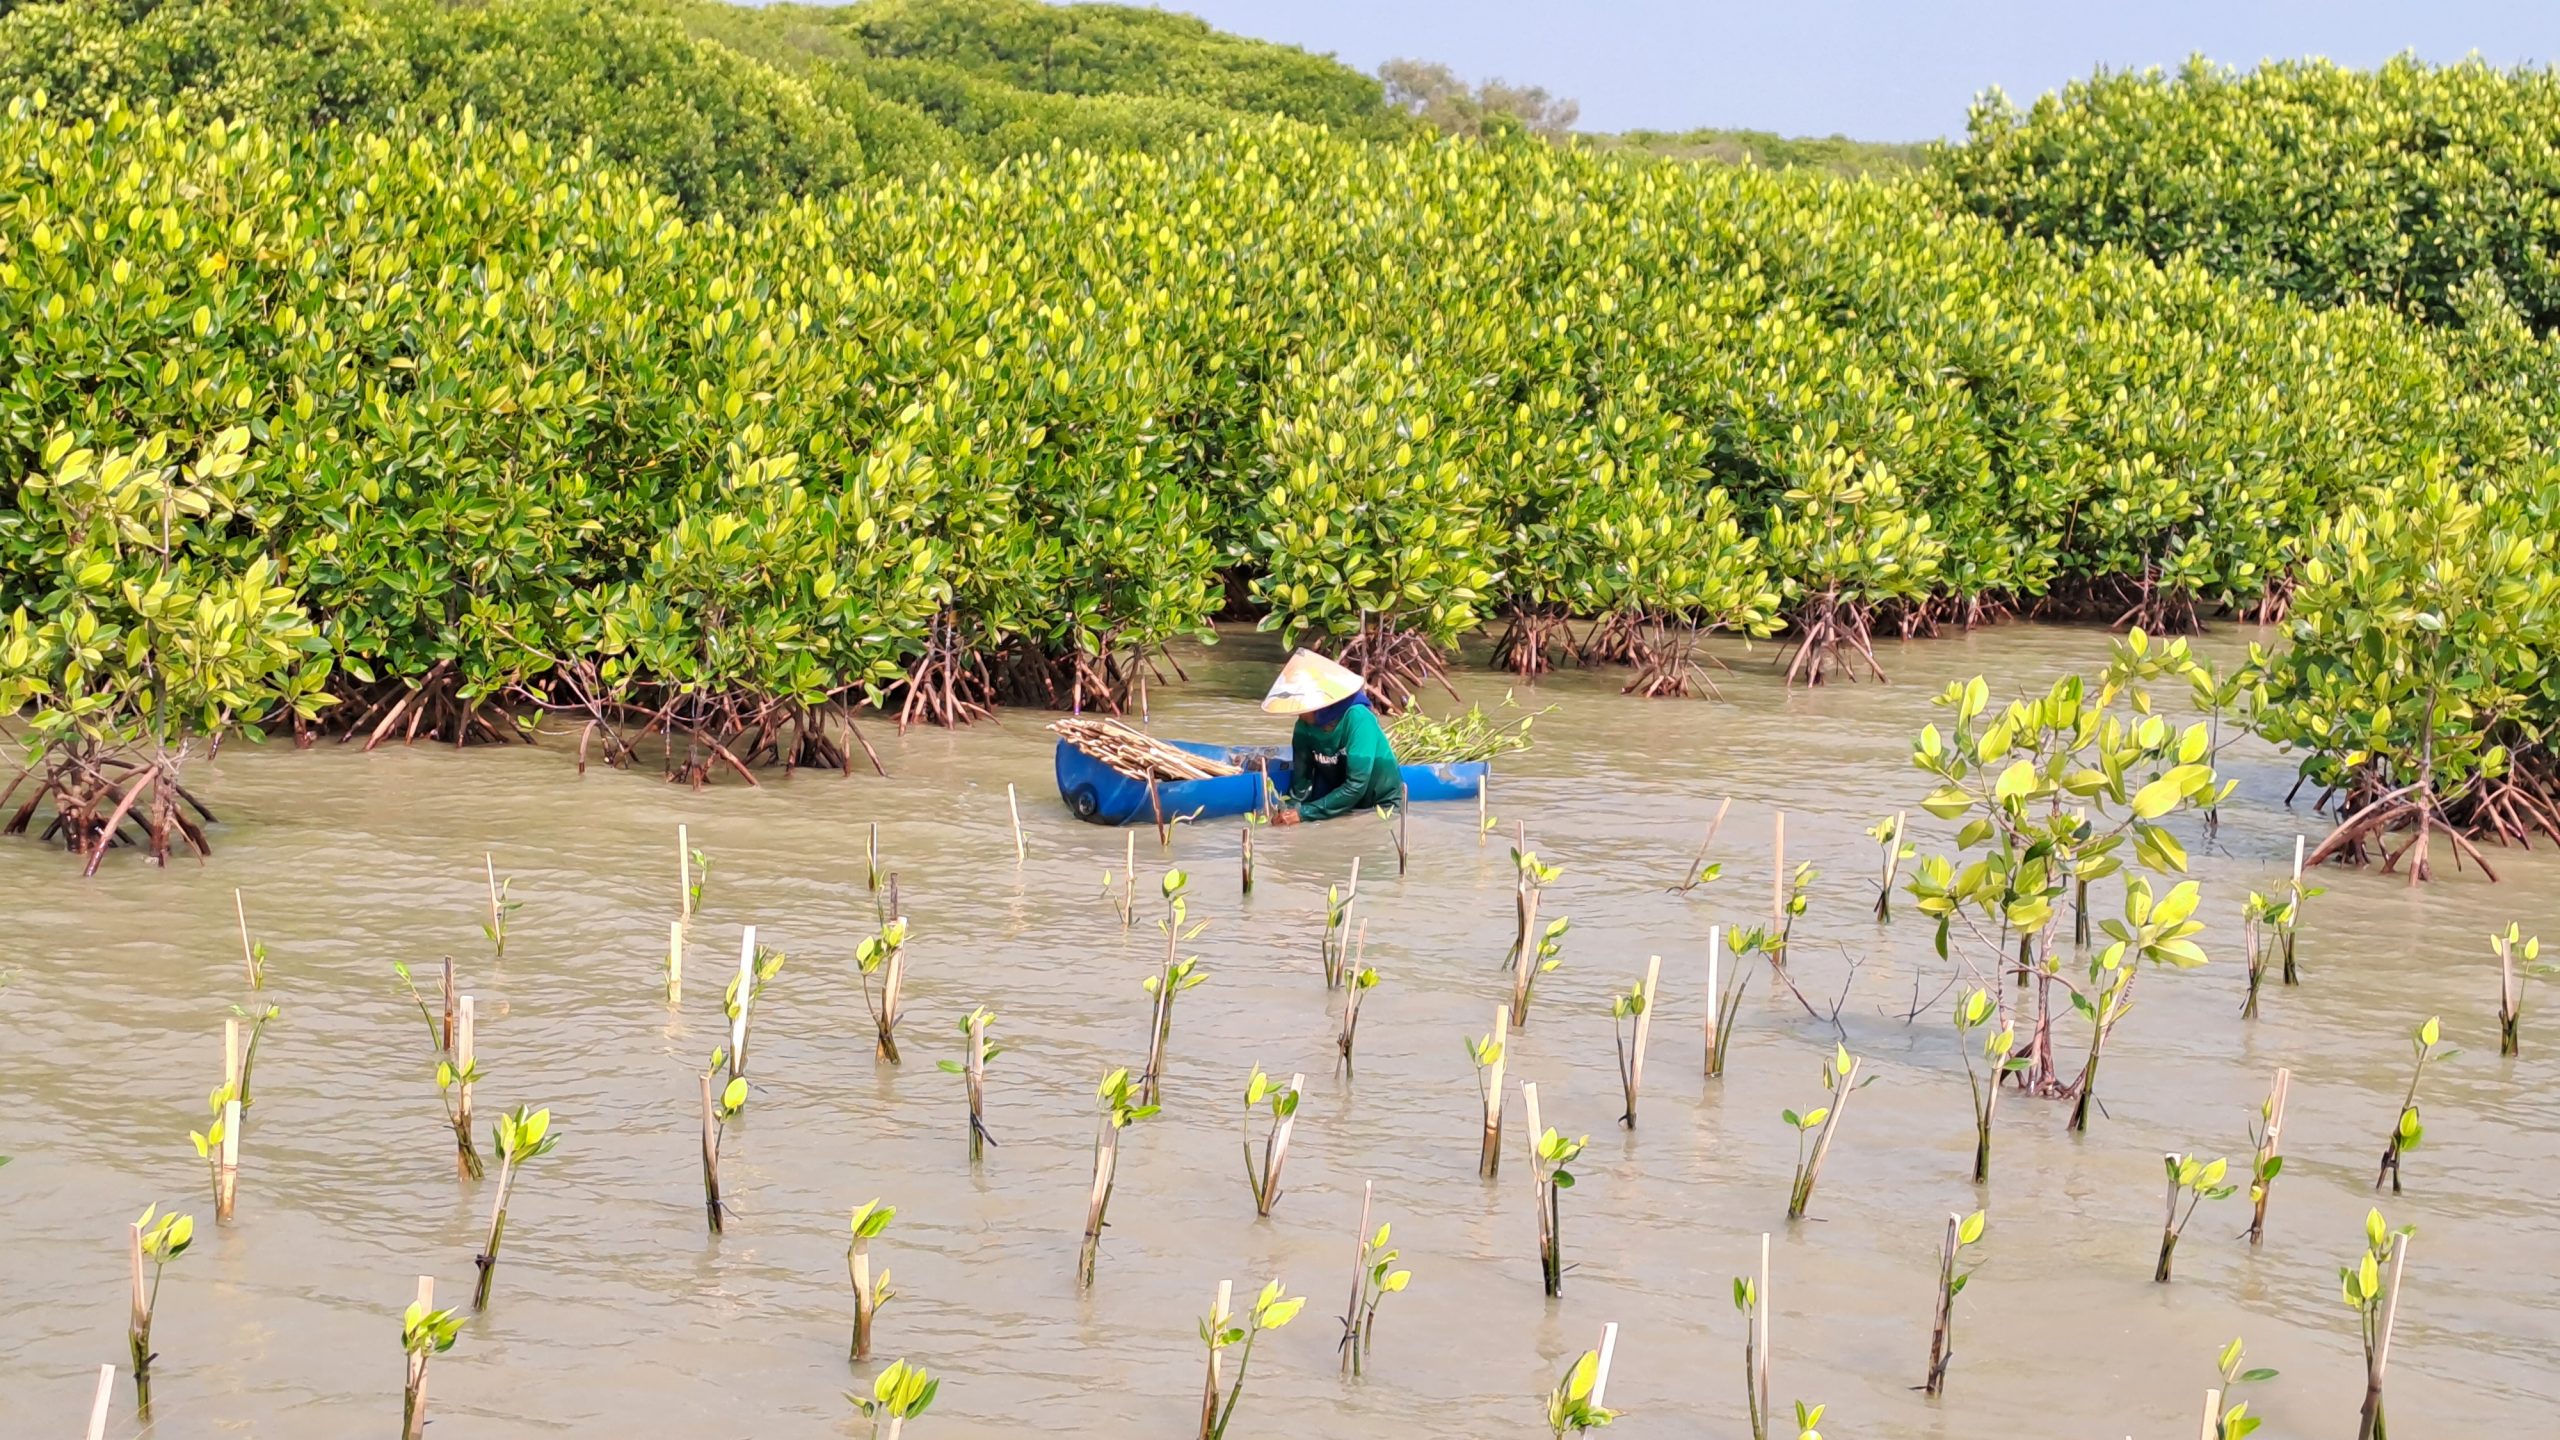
<point>1121,1108</point>
<point>1751,1297</point>
<point>716,1112</point>
<point>1635,1005</point>
<point>2406,1129</point>
<point>869,1292</point>
<point>1374,1277</point>
<point>2289,922</point>
<point>2266,1136</point>
<point>1976,1012</point>
<point>455,1075</point>
<point>898,1394</point>
<point>1814,1129</point>
<point>1700,872</point>
<point>1282,1103</point>
<point>1362,980</point>
<point>1271,1310</point>
<point>1172,978</point>
<point>1722,1004</point>
<point>2373,1292</point>
<point>424,1331</point>
<point>2194,1181</point>
<point>1549,1154</point>
<point>2517,957</point>
<point>1574,1405</point>
<point>1962,1230</point>
<point>2158,932</point>
<point>500,907</point>
<point>157,1240</point>
<point>1888,835</point>
<point>757,965</point>
<point>882,958</point>
<point>977,1052</point>
<point>2231,1420</point>
<point>1336,945</point>
<point>1487,1053</point>
<point>522,1135</point>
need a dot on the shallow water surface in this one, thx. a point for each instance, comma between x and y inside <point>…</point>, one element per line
<point>615,1314</point>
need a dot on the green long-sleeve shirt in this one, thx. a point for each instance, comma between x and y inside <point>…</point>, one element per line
<point>1347,766</point>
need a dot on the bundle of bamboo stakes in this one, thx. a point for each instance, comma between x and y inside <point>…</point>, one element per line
<point>1135,753</point>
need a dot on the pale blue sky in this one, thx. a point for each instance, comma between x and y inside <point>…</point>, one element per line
<point>1875,69</point>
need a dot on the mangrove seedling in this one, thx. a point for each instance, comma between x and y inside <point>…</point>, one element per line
<point>882,958</point>
<point>2257,915</point>
<point>1887,834</point>
<point>522,1135</point>
<point>2158,932</point>
<point>898,1394</point>
<point>1362,980</point>
<point>1976,1012</point>
<point>1335,950</point>
<point>2231,1420</point>
<point>500,907</point>
<point>693,871</point>
<point>1700,872</point>
<point>1574,1405</point>
<point>2266,1137</point>
<point>1374,1278</point>
<point>2406,1128</point>
<point>1172,978</point>
<point>157,1240</point>
<point>215,1137</point>
<point>1121,1108</point>
<point>1790,906</point>
<point>872,874</point>
<point>424,1331</point>
<point>1549,1154</point>
<point>2517,957</point>
<point>2193,1181</point>
<point>1261,1094</point>
<point>1962,1230</point>
<point>1271,1310</point>
<point>869,1292</point>
<point>1814,1129</point>
<point>455,1075</point>
<point>757,965</point>
<point>253,953</point>
<point>257,1018</point>
<point>1808,1419</point>
<point>717,1109</point>
<point>977,1052</point>
<point>1724,1003</point>
<point>1488,1057</point>
<point>2288,924</point>
<point>2377,1305</point>
<point>1528,887</point>
<point>1534,962</point>
<point>1635,1006</point>
<point>1751,1298</point>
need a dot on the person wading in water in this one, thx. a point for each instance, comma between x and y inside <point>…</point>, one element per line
<point>1340,758</point>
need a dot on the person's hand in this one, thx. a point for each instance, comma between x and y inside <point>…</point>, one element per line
<point>1284,817</point>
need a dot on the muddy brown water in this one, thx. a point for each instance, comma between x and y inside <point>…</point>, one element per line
<point>615,1314</point>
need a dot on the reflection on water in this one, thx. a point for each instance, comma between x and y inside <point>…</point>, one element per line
<point>615,1314</point>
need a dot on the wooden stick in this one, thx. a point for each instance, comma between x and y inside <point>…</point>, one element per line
<point>1402,809</point>
<point>1802,1200</point>
<point>1106,1159</point>
<point>977,1074</point>
<point>2270,1148</point>
<point>858,1262</point>
<point>1715,949</point>
<point>675,962</point>
<point>891,983</point>
<point>231,1054</point>
<point>1359,1277</point>
<point>1644,1028</point>
<point>465,1051</point>
<point>248,952</point>
<point>98,1407</point>
<point>2297,860</point>
<point>1690,880</point>
<point>1014,805</point>
<point>1213,1391</point>
<point>413,1422</point>
<point>1938,1356</point>
<point>1248,857</point>
<point>1489,1159</point>
<point>226,1176</point>
<point>1482,786</point>
<point>684,874</point>
<point>2211,1428</point>
<point>138,1326</point>
<point>746,997</point>
<point>1129,882</point>
<point>1524,967</point>
<point>872,854</point>
<point>2369,1424</point>
<point>1600,1375</point>
<point>449,991</point>
<point>1778,875</point>
<point>497,915</point>
<point>1760,1319</point>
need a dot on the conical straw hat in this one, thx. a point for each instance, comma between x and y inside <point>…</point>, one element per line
<point>1310,682</point>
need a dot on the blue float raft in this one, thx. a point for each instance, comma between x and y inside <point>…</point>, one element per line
<point>1096,792</point>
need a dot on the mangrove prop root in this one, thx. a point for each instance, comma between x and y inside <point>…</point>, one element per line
<point>1834,636</point>
<point>1529,634</point>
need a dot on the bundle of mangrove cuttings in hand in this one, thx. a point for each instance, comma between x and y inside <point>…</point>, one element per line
<point>1137,754</point>
<point>1422,740</point>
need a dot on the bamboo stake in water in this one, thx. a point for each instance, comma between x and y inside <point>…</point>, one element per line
<point>2211,1428</point>
<point>1798,1203</point>
<point>1401,851</point>
<point>684,875</point>
<point>138,1327</point>
<point>231,1054</point>
<point>1351,1336</point>
<point>413,1409</point>
<point>675,962</point>
<point>465,1052</point>
<point>871,852</point>
<point>1541,1193</point>
<point>1600,1372</point>
<point>1248,857</point>
<point>1482,828</point>
<point>1698,865</point>
<point>1489,1159</point>
<point>2369,1420</point>
<point>977,1086</point>
<point>98,1406</point>
<point>1778,875</point>
<point>226,1176</point>
<point>746,998</point>
<point>1715,948</point>
<point>2292,975</point>
<point>1014,805</point>
<point>1129,882</point>
<point>248,952</point>
<point>449,997</point>
<point>711,1156</point>
<point>1939,1325</point>
<point>1524,967</point>
<point>1214,1390</point>
<point>1106,1160</point>
<point>1760,1350</point>
<point>2270,1147</point>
